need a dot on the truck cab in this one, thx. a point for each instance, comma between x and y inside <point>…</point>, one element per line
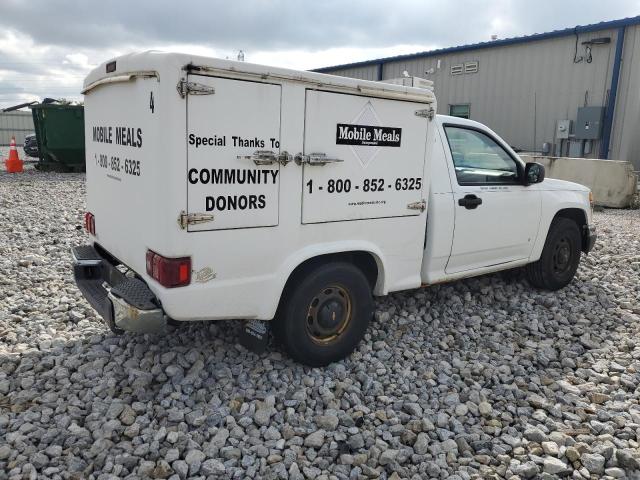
<point>226,190</point>
<point>492,210</point>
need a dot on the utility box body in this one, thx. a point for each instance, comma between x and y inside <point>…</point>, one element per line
<point>410,82</point>
<point>589,123</point>
<point>563,129</point>
<point>250,168</point>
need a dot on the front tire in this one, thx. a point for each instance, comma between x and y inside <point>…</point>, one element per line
<point>560,256</point>
<point>325,314</point>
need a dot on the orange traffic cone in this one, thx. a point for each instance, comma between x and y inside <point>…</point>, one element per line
<point>13,163</point>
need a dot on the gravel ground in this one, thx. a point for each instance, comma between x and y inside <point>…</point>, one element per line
<point>483,378</point>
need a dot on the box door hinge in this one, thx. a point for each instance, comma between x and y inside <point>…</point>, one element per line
<point>185,219</point>
<point>193,88</point>
<point>429,113</point>
<point>421,205</point>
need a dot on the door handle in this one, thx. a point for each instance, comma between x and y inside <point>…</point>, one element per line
<point>267,157</point>
<point>470,202</point>
<point>315,159</point>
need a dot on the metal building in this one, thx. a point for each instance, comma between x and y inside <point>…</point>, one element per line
<point>16,124</point>
<point>577,89</point>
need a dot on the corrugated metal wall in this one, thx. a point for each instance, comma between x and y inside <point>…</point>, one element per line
<point>15,123</point>
<point>522,90</point>
<point>367,72</point>
<point>625,141</point>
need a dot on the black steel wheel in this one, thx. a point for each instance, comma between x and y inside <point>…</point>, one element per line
<point>324,314</point>
<point>329,314</point>
<point>560,256</point>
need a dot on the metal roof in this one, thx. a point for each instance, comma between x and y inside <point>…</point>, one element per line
<point>594,27</point>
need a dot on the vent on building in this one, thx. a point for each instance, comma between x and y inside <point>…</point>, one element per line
<point>471,67</point>
<point>457,69</point>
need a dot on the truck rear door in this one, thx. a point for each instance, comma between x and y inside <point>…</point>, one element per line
<point>122,134</point>
<point>233,139</point>
<point>363,158</point>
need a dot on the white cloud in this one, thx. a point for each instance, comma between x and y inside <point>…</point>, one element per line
<point>305,60</point>
<point>47,48</point>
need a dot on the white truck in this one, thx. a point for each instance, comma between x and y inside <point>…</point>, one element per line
<point>225,190</point>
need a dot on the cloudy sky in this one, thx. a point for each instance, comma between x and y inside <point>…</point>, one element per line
<point>48,46</point>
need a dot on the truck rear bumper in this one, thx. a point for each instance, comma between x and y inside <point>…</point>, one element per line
<point>124,302</point>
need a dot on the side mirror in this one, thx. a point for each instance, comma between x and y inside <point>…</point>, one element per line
<point>533,173</point>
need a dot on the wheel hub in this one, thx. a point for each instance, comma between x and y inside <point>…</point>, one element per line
<point>329,314</point>
<point>562,256</point>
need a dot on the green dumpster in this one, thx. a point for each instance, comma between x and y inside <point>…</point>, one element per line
<point>60,136</point>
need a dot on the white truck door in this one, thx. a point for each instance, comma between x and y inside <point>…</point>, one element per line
<point>233,143</point>
<point>496,217</point>
<point>363,157</point>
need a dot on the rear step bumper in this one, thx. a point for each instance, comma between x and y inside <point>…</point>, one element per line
<point>124,303</point>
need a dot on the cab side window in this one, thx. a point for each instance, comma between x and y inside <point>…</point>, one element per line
<point>478,159</point>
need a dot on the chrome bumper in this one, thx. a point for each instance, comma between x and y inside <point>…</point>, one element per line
<point>132,319</point>
<point>125,303</point>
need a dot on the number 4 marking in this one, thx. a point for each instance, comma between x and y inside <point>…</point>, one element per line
<point>151,105</point>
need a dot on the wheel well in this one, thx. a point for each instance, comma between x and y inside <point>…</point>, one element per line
<point>365,261</point>
<point>578,216</point>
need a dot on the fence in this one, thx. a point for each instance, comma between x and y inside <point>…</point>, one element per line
<point>16,124</point>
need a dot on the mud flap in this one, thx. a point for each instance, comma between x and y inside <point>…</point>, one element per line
<point>254,335</point>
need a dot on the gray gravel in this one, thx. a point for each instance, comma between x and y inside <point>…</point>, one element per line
<point>483,378</point>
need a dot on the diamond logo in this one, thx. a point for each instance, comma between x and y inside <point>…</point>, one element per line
<point>367,116</point>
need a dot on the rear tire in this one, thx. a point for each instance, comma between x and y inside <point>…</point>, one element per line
<point>560,256</point>
<point>324,314</point>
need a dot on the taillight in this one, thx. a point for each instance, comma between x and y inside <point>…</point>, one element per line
<point>90,223</point>
<point>169,272</point>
